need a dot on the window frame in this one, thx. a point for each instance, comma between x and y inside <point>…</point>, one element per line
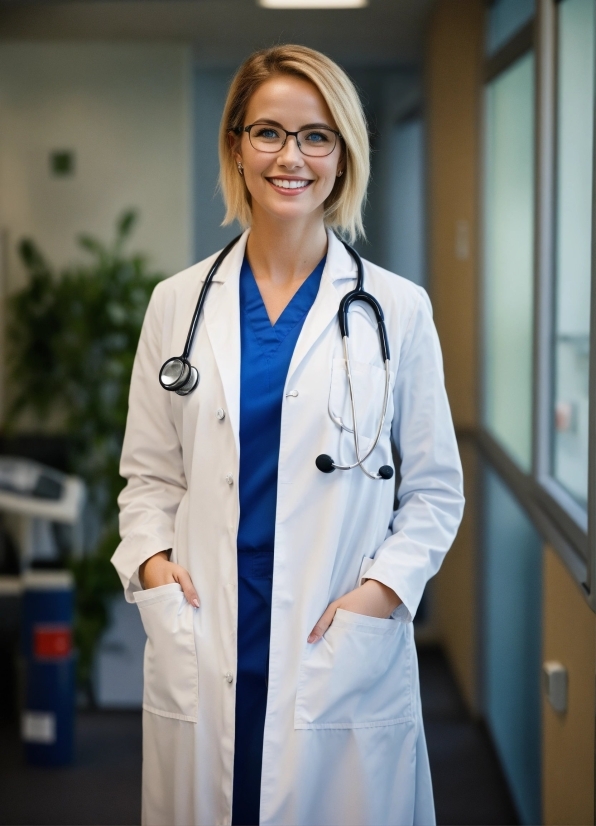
<point>562,522</point>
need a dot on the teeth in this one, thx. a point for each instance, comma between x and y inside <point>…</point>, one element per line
<point>285,184</point>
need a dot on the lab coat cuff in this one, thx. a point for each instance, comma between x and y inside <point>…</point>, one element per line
<point>130,554</point>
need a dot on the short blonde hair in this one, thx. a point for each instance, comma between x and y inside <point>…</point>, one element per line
<point>343,207</point>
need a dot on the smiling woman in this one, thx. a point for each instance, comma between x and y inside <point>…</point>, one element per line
<point>336,109</point>
<point>281,684</point>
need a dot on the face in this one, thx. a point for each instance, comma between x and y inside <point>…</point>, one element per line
<point>286,184</point>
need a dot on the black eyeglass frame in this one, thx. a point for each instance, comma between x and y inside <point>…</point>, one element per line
<point>238,130</point>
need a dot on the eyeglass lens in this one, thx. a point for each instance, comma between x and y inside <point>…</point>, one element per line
<point>314,142</point>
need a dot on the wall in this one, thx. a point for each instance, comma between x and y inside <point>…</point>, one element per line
<point>569,636</point>
<point>453,66</point>
<point>387,95</point>
<point>125,109</point>
<point>511,647</point>
<point>209,95</point>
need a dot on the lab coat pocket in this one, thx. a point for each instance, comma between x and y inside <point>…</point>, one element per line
<point>170,671</point>
<point>358,675</point>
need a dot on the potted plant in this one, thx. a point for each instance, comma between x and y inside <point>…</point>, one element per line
<point>73,336</point>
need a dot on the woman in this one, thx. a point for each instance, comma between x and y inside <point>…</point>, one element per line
<point>281,684</point>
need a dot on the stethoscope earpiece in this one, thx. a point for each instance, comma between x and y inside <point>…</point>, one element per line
<point>325,463</point>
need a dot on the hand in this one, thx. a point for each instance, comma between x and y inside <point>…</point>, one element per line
<point>372,598</point>
<point>158,570</point>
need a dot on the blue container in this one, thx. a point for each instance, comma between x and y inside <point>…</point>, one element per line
<point>47,621</point>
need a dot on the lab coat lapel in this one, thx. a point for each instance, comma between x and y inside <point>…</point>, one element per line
<point>222,322</point>
<point>339,270</point>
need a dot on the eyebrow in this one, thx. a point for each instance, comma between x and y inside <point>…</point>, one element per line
<point>305,126</point>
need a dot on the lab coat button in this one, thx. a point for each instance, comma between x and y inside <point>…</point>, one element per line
<point>221,413</point>
<point>230,479</point>
<point>229,678</point>
<point>293,393</point>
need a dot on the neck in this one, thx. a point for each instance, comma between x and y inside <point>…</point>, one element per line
<point>285,251</point>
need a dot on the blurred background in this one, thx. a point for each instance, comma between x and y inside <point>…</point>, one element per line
<point>481,120</point>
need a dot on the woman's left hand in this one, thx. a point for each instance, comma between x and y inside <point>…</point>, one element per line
<point>372,598</point>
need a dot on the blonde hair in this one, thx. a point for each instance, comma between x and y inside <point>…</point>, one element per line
<point>343,207</point>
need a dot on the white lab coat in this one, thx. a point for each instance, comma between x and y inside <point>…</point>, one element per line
<point>344,742</point>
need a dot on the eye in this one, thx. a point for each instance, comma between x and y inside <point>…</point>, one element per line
<point>267,133</point>
<point>317,136</point>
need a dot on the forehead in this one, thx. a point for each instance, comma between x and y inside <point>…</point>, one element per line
<point>291,101</point>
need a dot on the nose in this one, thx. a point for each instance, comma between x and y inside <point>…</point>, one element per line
<point>290,155</point>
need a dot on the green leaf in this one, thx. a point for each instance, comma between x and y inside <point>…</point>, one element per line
<point>73,338</point>
<point>126,223</point>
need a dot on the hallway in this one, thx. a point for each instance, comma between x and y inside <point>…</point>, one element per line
<point>104,786</point>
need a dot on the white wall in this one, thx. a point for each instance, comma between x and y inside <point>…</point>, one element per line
<point>126,110</point>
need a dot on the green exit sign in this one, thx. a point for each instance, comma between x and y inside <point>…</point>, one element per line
<point>62,163</point>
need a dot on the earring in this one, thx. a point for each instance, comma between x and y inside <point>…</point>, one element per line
<point>240,168</point>
<point>340,173</point>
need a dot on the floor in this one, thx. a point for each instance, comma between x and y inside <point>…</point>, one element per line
<point>469,786</point>
<point>103,787</point>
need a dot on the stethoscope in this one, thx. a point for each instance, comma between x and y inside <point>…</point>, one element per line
<point>179,375</point>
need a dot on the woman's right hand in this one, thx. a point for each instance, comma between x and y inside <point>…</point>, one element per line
<point>158,570</point>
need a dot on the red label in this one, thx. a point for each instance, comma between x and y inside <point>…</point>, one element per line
<point>53,642</point>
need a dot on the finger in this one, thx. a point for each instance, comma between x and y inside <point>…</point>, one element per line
<point>323,624</point>
<point>182,577</point>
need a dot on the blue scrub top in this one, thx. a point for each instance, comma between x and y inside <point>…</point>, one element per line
<point>266,354</point>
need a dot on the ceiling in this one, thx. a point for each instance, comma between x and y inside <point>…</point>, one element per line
<point>386,33</point>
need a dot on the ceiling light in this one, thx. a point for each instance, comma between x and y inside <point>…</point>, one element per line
<point>313,4</point>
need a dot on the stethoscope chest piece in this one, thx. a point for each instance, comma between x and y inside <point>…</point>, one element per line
<point>179,376</point>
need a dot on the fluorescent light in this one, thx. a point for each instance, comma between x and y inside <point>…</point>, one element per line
<point>313,4</point>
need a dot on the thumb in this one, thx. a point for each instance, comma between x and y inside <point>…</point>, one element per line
<point>323,624</point>
<point>182,577</point>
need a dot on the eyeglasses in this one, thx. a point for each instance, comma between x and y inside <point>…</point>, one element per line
<point>314,141</point>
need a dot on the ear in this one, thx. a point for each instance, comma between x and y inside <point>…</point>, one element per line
<point>234,144</point>
<point>342,163</point>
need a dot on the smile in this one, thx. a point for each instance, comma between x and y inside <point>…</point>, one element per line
<point>287,183</point>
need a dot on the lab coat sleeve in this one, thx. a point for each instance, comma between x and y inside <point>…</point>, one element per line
<point>430,493</point>
<point>151,459</point>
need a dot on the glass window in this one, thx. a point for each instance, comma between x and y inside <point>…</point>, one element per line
<point>508,258</point>
<point>575,113</point>
<point>505,19</point>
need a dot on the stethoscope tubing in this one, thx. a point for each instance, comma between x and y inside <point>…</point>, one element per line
<point>203,295</point>
<point>178,375</point>
<point>360,459</point>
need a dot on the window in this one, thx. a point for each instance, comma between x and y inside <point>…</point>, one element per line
<point>508,258</point>
<point>505,19</point>
<point>573,238</point>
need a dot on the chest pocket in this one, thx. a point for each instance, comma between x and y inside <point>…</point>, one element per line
<point>369,388</point>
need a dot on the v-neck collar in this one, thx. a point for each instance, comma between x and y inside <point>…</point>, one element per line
<point>270,336</point>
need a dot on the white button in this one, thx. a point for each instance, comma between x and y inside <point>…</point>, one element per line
<point>221,413</point>
<point>230,479</point>
<point>229,678</point>
<point>293,393</point>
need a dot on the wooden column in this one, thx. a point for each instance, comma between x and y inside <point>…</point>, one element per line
<point>453,96</point>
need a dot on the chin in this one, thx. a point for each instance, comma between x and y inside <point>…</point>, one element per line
<point>292,211</point>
